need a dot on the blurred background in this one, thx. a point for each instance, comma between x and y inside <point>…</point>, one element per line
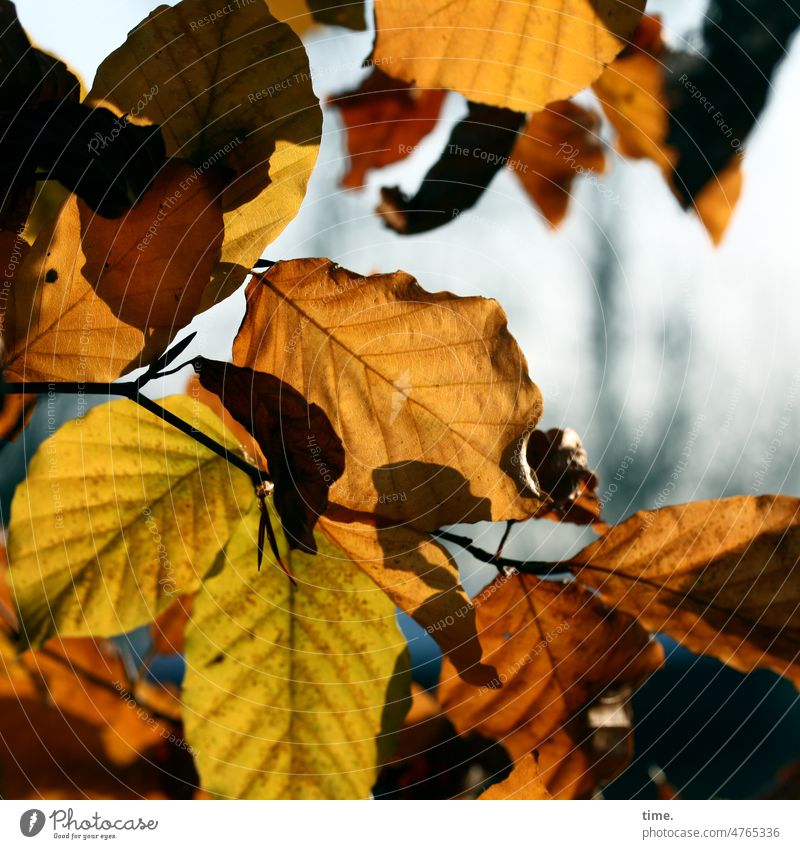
<point>642,336</point>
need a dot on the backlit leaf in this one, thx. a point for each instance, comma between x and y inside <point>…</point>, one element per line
<point>231,88</point>
<point>119,514</point>
<point>720,577</point>
<point>291,693</point>
<point>558,653</point>
<point>520,55</point>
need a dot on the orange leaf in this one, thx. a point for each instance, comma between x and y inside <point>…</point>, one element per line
<point>558,144</point>
<point>385,119</point>
<point>559,653</point>
<point>525,782</point>
<point>721,577</point>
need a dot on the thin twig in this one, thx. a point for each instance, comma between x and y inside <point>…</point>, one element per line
<point>541,568</point>
<point>131,390</point>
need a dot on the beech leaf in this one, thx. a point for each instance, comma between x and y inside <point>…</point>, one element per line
<point>292,693</point>
<point>558,652</point>
<point>429,393</point>
<point>304,454</point>
<point>521,55</point>
<point>119,514</point>
<point>720,577</point>
<point>231,88</point>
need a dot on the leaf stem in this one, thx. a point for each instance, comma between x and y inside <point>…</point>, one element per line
<point>540,568</point>
<point>131,390</point>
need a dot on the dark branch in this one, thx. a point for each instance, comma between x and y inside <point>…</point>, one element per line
<point>540,568</point>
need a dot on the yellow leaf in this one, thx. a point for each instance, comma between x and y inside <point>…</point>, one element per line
<point>231,89</point>
<point>290,693</point>
<point>720,577</point>
<point>520,55</point>
<point>429,393</point>
<point>120,513</point>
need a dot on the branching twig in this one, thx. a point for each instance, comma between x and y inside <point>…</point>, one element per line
<point>132,391</point>
<point>540,568</point>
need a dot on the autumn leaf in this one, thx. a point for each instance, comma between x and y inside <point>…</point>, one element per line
<point>429,393</point>
<point>251,114</point>
<point>385,119</point>
<point>419,576</point>
<point>525,782</point>
<point>556,146</point>
<point>720,577</point>
<point>95,298</point>
<point>558,653</point>
<point>478,148</point>
<point>119,514</point>
<point>291,693</point>
<point>343,13</point>
<point>636,100</point>
<point>304,454</point>
<point>521,56</point>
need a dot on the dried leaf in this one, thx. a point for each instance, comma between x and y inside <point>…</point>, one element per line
<point>720,577</point>
<point>636,98</point>
<point>525,782</point>
<point>558,652</point>
<point>232,91</point>
<point>520,56</point>
<point>96,298</point>
<point>97,554</point>
<point>478,149</point>
<point>291,693</point>
<point>561,465</point>
<point>304,454</point>
<point>385,120</point>
<point>429,393</point>
<point>559,144</point>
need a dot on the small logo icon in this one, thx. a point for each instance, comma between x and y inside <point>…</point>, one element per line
<point>31,822</point>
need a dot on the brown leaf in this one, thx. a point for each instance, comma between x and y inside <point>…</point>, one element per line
<point>419,576</point>
<point>558,144</point>
<point>429,392</point>
<point>633,93</point>
<point>520,55</point>
<point>525,782</point>
<point>96,298</point>
<point>385,119</point>
<point>343,13</point>
<point>561,465</point>
<point>559,653</point>
<point>304,454</point>
<point>720,577</point>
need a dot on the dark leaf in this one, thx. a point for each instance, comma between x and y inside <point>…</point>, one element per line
<point>478,147</point>
<point>304,454</point>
